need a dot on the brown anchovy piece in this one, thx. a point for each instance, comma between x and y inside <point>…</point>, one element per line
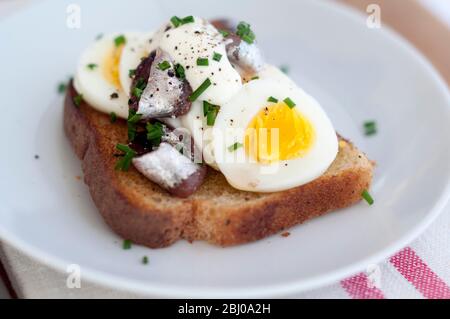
<point>240,53</point>
<point>162,93</point>
<point>179,169</point>
<point>141,74</point>
<point>244,55</point>
<point>222,24</point>
<point>171,170</point>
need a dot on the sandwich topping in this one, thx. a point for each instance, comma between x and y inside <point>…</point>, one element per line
<point>171,170</point>
<point>157,91</point>
<point>194,90</point>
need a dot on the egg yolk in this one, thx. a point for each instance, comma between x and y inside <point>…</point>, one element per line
<point>278,133</point>
<point>111,66</point>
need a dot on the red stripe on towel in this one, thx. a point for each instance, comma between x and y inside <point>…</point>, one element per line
<point>358,288</point>
<point>425,280</point>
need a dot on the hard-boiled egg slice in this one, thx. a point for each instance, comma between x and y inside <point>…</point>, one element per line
<point>98,75</point>
<point>272,137</point>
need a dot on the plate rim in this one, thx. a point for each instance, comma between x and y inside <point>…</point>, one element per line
<point>278,290</point>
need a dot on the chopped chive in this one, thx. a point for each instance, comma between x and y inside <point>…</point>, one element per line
<point>188,19</point>
<point>211,117</point>
<point>145,260</point>
<point>132,73</point>
<point>284,69</point>
<point>175,21</point>
<point>224,33</point>
<point>179,72</point>
<point>137,92</point>
<point>370,128</point>
<point>113,117</point>
<point>62,87</point>
<point>154,133</point>
<point>202,62</point>
<point>205,108</point>
<point>139,88</point>
<point>202,88</point>
<point>77,99</point>
<point>369,124</point>
<point>248,39</point>
<point>235,146</point>
<point>124,163</point>
<point>92,66</point>
<point>123,148</point>
<point>133,119</point>
<point>272,99</point>
<point>365,194</point>
<point>118,41</point>
<point>210,111</point>
<point>255,78</point>
<point>245,32</point>
<point>127,159</point>
<point>289,102</point>
<point>141,84</point>
<point>217,56</point>
<point>126,244</point>
<point>164,65</point>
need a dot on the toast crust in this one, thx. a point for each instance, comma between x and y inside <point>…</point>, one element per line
<point>140,211</point>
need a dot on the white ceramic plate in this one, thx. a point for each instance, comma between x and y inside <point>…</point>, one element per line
<point>357,74</point>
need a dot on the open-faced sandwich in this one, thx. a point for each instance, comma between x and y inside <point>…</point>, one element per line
<point>187,133</point>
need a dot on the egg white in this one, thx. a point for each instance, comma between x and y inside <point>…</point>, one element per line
<point>93,85</point>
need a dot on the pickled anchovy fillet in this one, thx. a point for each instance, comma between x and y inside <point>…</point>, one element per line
<point>244,55</point>
<point>181,139</point>
<point>164,91</point>
<point>171,170</point>
<point>165,166</point>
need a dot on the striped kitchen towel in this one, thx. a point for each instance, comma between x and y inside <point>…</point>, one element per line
<point>421,270</point>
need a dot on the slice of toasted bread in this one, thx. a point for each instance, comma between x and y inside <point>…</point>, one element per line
<point>140,211</point>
